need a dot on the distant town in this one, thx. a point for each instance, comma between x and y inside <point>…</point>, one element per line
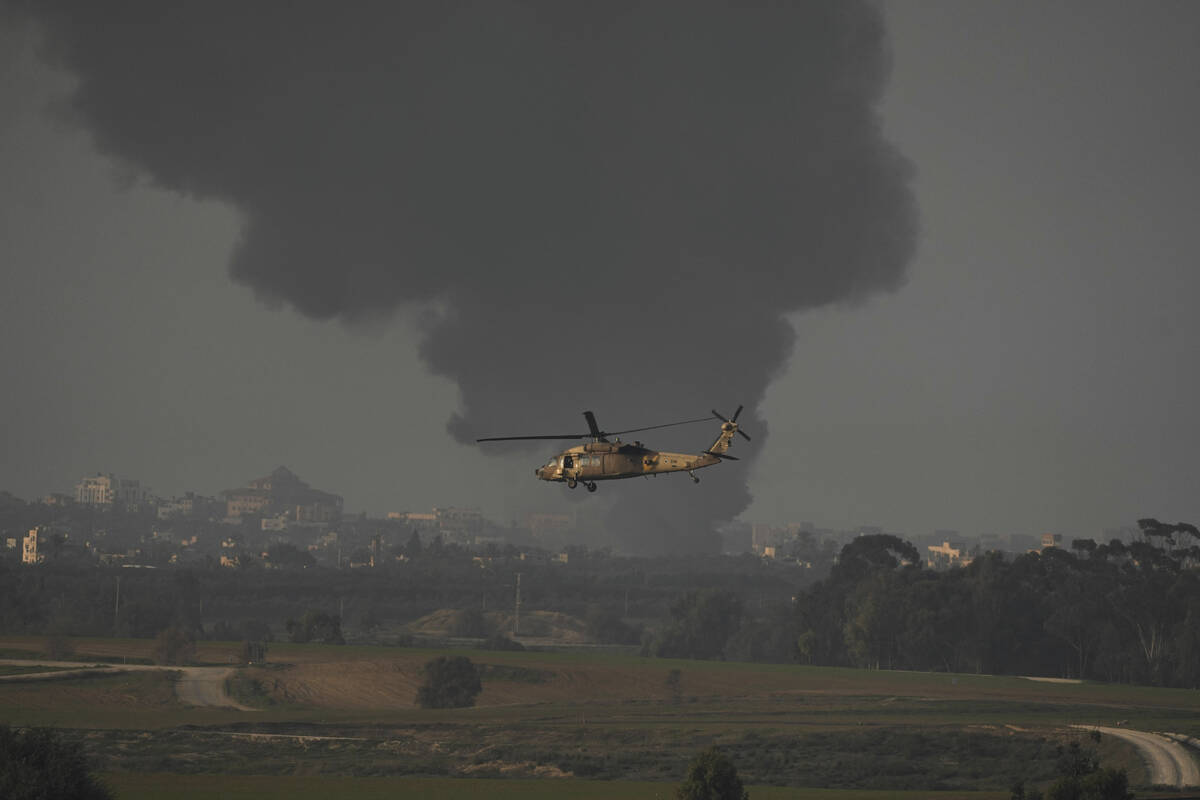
<point>279,520</point>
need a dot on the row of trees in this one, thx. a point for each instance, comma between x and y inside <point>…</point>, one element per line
<point>614,595</point>
<point>1114,612</point>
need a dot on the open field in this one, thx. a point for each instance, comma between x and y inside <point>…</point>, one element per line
<point>347,712</point>
<point>7,670</point>
<point>198,787</point>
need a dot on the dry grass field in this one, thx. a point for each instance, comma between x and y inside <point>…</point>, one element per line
<point>203,787</point>
<point>348,713</point>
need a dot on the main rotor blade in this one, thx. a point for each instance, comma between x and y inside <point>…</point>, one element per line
<point>592,426</point>
<point>514,438</point>
<point>720,416</point>
<point>736,413</point>
<point>653,427</point>
<point>744,436</point>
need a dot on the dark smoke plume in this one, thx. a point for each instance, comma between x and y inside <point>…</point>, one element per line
<point>611,204</point>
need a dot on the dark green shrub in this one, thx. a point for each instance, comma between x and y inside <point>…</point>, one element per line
<point>711,776</point>
<point>450,682</point>
<point>37,763</point>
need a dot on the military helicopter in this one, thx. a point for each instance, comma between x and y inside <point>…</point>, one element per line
<point>602,459</point>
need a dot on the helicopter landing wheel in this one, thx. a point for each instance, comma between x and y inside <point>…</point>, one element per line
<point>695,479</point>
<point>591,486</point>
<point>572,483</point>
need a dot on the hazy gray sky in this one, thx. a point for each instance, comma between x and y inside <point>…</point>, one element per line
<point>1035,373</point>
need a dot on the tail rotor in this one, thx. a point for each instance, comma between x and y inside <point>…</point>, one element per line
<point>732,421</point>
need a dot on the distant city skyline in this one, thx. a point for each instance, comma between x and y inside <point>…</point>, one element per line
<point>126,489</point>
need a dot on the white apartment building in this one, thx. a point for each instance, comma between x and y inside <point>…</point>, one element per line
<point>108,490</point>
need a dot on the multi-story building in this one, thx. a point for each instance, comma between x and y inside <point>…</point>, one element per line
<point>97,491</point>
<point>416,520</point>
<point>189,505</point>
<point>1051,540</point>
<point>30,552</point>
<point>108,490</point>
<point>948,554</point>
<point>245,501</point>
<point>764,537</point>
<point>283,492</point>
<point>459,524</point>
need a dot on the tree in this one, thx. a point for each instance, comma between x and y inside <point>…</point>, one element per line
<point>450,682</point>
<point>873,552</point>
<point>288,556</point>
<point>1104,784</point>
<point>1083,779</point>
<point>37,763</point>
<point>413,548</point>
<point>175,645</point>
<point>675,685</point>
<point>703,623</point>
<point>316,626</point>
<point>711,776</point>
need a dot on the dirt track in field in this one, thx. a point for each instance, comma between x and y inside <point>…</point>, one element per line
<point>1169,762</point>
<point>197,686</point>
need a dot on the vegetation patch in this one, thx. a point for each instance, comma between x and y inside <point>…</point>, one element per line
<point>249,690</point>
<point>12,669</point>
<point>508,672</point>
<point>317,787</point>
<point>14,652</point>
<point>80,697</point>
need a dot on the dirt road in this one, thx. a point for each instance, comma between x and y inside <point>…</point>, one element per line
<point>1170,763</point>
<point>205,686</point>
<point>197,686</point>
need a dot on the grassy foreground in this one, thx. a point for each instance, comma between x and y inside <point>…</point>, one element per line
<point>252,787</point>
<point>341,721</point>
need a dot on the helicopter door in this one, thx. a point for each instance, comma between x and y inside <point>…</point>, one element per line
<point>573,465</point>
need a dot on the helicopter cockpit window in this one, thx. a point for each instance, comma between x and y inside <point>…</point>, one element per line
<point>567,462</point>
<point>552,462</point>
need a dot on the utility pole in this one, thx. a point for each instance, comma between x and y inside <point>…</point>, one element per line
<point>117,605</point>
<point>517,608</point>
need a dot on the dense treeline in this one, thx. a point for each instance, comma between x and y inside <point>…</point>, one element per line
<point>613,595</point>
<point>1111,612</point>
<point>1114,612</point>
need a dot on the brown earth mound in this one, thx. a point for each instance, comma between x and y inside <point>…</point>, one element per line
<point>544,626</point>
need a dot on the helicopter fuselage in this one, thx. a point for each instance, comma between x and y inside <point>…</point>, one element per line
<point>609,461</point>
<point>604,459</point>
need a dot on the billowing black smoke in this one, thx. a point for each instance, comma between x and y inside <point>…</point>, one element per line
<point>611,205</point>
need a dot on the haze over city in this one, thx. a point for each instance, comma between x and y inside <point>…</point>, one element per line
<point>1015,353</point>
